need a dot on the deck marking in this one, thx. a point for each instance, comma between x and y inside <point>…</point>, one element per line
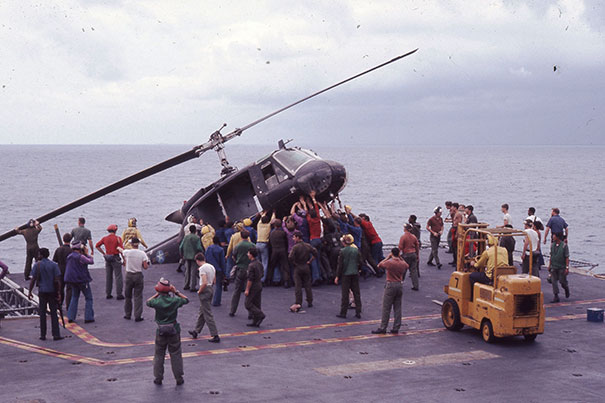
<point>424,361</point>
<point>98,362</point>
<point>90,339</point>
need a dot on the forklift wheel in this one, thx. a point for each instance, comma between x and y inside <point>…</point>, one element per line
<point>450,315</point>
<point>530,337</point>
<point>487,331</point>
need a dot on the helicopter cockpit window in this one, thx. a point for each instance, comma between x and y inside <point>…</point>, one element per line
<point>292,159</point>
<point>272,174</point>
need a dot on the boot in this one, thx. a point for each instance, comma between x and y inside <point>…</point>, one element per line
<point>566,292</point>
<point>556,299</point>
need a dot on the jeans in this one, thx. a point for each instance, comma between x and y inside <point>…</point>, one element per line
<point>113,268</point>
<point>76,288</point>
<point>377,253</point>
<point>315,264</point>
<point>263,253</point>
<point>218,288</point>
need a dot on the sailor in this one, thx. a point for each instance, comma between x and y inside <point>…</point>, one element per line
<point>457,218</point>
<point>490,258</point>
<point>301,256</point>
<point>168,334</point>
<point>556,223</point>
<point>132,232</point>
<point>60,257</point>
<point>83,235</point>
<point>559,265</point>
<point>77,277</point>
<point>435,227</point>
<point>190,245</point>
<point>4,270</point>
<point>205,293</point>
<point>534,238</point>
<point>278,242</point>
<point>254,288</point>
<point>395,268</point>
<point>31,244</point>
<point>262,241</point>
<point>113,261</point>
<point>48,276</point>
<point>240,253</point>
<point>135,261</point>
<point>410,249</point>
<point>215,255</point>
<point>506,218</point>
<point>349,265</point>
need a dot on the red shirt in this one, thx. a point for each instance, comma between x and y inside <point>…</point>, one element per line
<point>370,232</point>
<point>314,224</point>
<point>408,243</point>
<point>111,242</point>
<point>395,268</point>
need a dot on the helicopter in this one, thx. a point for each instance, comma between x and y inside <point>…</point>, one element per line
<point>274,182</point>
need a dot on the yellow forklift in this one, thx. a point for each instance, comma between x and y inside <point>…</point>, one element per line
<point>513,304</point>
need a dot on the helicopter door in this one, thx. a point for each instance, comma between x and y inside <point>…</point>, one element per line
<point>237,196</point>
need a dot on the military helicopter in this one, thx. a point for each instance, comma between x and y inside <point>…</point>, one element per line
<point>274,182</point>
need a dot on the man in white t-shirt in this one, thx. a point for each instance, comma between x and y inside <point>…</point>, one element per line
<point>506,218</point>
<point>135,261</point>
<point>205,292</point>
<point>532,236</point>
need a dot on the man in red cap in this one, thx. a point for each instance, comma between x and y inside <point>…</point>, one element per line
<point>113,260</point>
<point>168,334</point>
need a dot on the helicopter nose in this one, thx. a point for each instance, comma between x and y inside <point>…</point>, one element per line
<point>321,176</point>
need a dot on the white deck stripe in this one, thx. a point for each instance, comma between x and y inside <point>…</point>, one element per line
<point>429,360</point>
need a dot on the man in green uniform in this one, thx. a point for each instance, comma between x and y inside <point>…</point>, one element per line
<point>168,334</point>
<point>189,247</point>
<point>559,265</point>
<point>240,253</point>
<point>301,256</point>
<point>254,288</point>
<point>349,264</point>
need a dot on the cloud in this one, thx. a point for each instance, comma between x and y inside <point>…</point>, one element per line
<point>160,71</point>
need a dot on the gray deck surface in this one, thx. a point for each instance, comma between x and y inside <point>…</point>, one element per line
<point>423,363</point>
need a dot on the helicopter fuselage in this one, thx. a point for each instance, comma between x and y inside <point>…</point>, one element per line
<point>274,182</point>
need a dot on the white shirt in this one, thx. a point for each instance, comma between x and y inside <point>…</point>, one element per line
<point>210,273</point>
<point>533,237</point>
<point>134,260</point>
<point>508,218</point>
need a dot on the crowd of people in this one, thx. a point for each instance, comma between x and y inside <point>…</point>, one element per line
<point>317,243</point>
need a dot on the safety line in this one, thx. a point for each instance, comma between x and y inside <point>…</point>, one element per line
<point>275,346</point>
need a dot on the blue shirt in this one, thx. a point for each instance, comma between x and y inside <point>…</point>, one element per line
<point>252,232</point>
<point>215,255</point>
<point>48,271</point>
<point>220,233</point>
<point>556,224</point>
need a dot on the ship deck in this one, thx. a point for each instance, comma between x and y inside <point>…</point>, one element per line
<point>311,356</point>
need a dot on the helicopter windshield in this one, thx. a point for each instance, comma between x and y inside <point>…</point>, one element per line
<point>292,159</point>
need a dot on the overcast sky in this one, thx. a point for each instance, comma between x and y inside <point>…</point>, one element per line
<point>487,72</point>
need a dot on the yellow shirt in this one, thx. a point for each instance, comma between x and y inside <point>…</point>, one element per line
<point>489,257</point>
<point>130,233</point>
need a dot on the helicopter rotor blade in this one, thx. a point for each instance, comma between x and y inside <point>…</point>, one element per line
<point>216,141</point>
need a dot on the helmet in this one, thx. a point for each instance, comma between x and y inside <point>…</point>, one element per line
<point>247,222</point>
<point>112,227</point>
<point>205,229</point>
<point>132,222</point>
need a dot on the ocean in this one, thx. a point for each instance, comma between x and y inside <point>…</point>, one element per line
<point>387,183</point>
